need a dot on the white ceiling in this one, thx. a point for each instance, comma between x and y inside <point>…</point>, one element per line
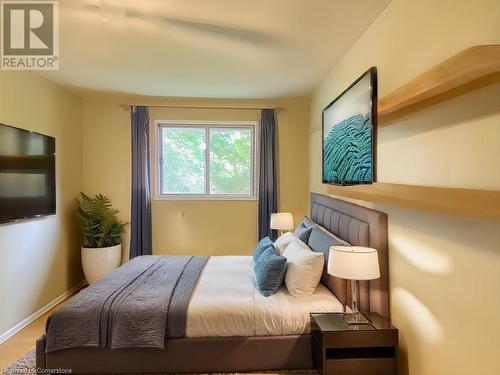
<point>206,48</point>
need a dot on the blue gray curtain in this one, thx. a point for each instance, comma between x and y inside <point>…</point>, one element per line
<point>140,227</point>
<point>268,184</point>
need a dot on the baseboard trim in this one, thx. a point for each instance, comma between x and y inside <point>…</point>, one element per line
<point>19,326</point>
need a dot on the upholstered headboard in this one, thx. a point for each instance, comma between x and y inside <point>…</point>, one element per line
<point>360,226</point>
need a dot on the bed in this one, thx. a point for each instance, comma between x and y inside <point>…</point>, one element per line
<point>240,330</point>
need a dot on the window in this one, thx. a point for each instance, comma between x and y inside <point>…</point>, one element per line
<point>205,160</point>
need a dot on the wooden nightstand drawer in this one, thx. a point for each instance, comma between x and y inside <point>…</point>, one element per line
<point>360,366</point>
<point>360,339</point>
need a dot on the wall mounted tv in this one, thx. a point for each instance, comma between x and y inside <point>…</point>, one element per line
<point>349,133</point>
<point>27,174</point>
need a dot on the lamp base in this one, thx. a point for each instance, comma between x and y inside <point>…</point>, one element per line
<point>355,318</point>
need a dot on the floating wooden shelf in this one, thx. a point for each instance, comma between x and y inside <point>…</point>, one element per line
<point>459,202</point>
<point>468,70</point>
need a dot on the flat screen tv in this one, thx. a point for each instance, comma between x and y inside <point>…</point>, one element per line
<point>27,174</point>
<point>349,133</point>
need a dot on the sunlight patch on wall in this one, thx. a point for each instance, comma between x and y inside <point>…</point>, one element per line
<point>420,254</point>
<point>420,317</point>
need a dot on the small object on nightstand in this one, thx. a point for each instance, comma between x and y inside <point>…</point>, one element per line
<point>354,263</point>
<point>341,348</point>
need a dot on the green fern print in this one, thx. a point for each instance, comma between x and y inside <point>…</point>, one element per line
<point>347,151</point>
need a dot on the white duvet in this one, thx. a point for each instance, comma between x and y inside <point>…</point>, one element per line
<point>226,302</point>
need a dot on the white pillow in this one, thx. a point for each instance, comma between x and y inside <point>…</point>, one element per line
<point>283,241</point>
<point>304,268</point>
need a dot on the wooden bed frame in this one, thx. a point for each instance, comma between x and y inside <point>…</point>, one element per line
<point>355,224</point>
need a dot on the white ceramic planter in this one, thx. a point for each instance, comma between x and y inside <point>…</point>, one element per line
<point>98,262</point>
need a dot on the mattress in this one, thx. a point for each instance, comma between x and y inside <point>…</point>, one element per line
<point>226,302</point>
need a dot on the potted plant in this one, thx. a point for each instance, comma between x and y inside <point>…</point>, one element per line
<point>102,236</point>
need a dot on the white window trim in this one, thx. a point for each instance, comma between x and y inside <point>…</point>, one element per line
<point>155,127</point>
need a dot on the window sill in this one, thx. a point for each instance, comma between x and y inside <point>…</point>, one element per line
<point>204,198</point>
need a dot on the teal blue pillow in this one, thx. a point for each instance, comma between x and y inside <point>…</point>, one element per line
<point>269,270</point>
<point>302,233</point>
<point>263,244</point>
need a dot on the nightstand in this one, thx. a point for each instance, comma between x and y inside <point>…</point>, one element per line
<point>343,349</point>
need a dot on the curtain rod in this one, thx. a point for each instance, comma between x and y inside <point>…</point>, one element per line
<point>277,109</point>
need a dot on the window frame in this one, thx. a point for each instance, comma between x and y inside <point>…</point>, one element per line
<point>156,152</point>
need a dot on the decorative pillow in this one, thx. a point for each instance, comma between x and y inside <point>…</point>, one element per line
<point>303,233</point>
<point>269,270</point>
<point>306,222</point>
<point>320,241</point>
<point>283,241</point>
<point>304,268</point>
<point>262,245</point>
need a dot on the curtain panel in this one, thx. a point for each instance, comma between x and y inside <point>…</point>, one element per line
<point>140,227</point>
<point>268,185</point>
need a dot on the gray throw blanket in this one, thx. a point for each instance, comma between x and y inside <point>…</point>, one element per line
<point>137,305</point>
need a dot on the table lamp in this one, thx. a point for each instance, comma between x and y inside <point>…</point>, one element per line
<point>282,221</point>
<point>354,263</point>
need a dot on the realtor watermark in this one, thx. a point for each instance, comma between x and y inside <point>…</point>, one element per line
<point>34,371</point>
<point>29,35</point>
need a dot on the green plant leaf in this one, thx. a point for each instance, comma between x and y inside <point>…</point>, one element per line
<point>100,224</point>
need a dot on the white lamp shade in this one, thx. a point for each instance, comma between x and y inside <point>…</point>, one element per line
<point>353,263</point>
<point>282,221</point>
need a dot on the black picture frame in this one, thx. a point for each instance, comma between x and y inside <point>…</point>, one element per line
<point>372,72</point>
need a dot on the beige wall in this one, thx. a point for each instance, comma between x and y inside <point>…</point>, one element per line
<point>40,258</point>
<point>444,270</point>
<point>193,226</point>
